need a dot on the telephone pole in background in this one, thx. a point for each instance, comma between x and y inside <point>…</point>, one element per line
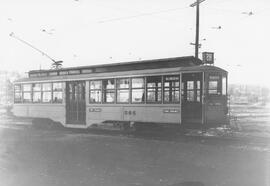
<point>197,4</point>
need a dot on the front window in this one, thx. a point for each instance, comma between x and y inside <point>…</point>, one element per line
<point>214,85</point>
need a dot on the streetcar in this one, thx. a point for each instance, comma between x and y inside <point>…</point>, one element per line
<point>170,91</point>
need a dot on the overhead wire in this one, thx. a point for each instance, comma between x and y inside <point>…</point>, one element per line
<point>142,15</point>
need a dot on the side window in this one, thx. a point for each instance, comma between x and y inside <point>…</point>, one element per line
<point>108,90</point>
<point>17,94</point>
<point>36,93</point>
<point>171,89</point>
<point>27,91</point>
<point>137,92</point>
<point>95,91</point>
<point>46,92</point>
<point>57,93</point>
<point>153,88</point>
<point>122,90</point>
<point>214,85</point>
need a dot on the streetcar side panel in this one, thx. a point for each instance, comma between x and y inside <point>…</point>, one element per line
<point>54,112</point>
<point>40,100</point>
<point>139,113</point>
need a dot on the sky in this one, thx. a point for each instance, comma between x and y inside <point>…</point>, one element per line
<point>89,32</point>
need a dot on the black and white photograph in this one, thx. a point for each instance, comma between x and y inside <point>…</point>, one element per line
<point>134,93</point>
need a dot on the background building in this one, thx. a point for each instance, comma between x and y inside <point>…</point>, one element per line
<point>6,86</point>
<point>248,94</point>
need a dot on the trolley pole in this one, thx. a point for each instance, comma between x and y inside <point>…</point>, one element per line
<point>197,4</point>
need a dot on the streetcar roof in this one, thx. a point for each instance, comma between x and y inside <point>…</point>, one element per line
<point>129,73</point>
<point>125,66</point>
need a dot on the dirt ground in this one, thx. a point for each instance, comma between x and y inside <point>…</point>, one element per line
<point>35,157</point>
<point>44,157</point>
<point>251,119</point>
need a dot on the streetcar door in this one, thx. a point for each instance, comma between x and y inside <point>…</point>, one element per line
<point>216,98</point>
<point>192,98</point>
<point>75,102</point>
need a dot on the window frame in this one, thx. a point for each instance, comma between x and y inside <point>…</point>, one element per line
<point>118,89</point>
<point>138,88</point>
<point>171,87</point>
<point>156,90</point>
<point>27,91</point>
<point>37,91</point>
<point>106,90</point>
<point>194,89</point>
<point>46,91</point>
<point>224,85</point>
<point>57,91</point>
<point>18,92</point>
<point>218,88</point>
<point>95,89</point>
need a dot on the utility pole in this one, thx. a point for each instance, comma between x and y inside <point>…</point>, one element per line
<point>197,4</point>
<point>197,29</point>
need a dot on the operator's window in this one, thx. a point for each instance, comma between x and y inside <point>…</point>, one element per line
<point>214,85</point>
